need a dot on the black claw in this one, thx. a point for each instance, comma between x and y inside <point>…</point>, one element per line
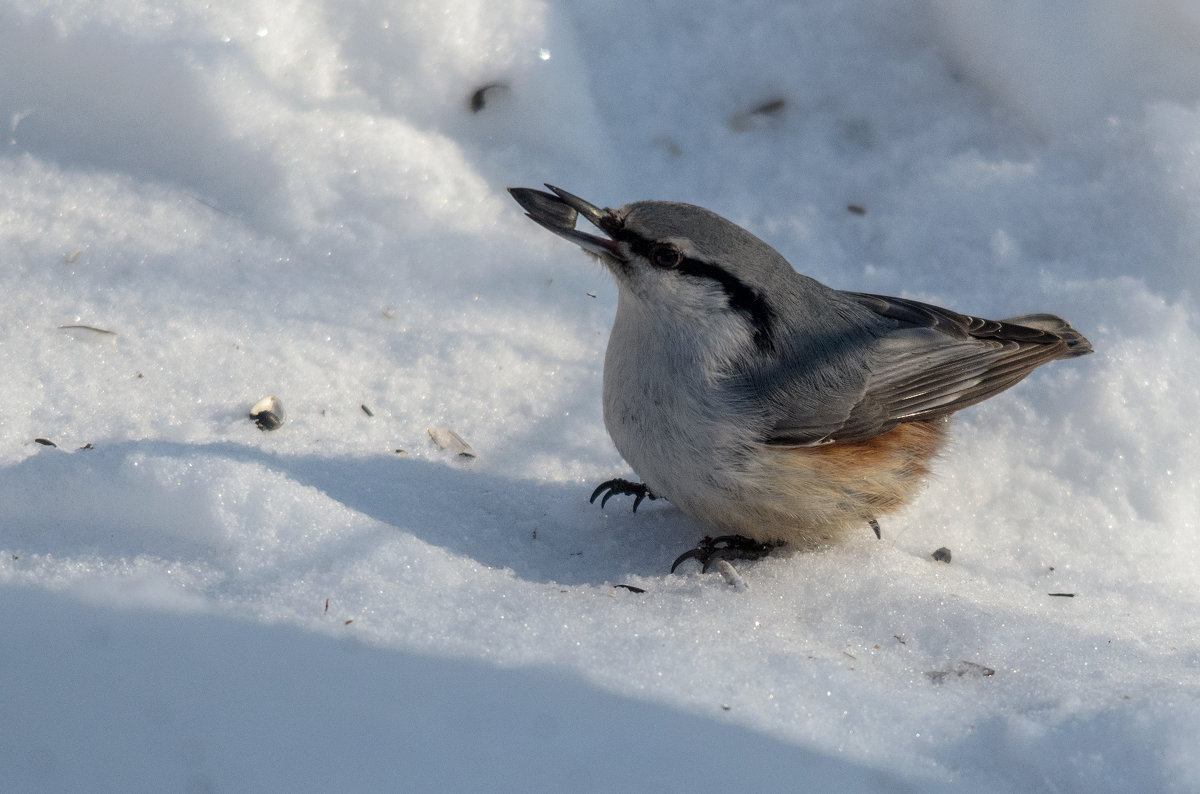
<point>690,554</point>
<point>726,547</point>
<point>875,526</point>
<point>637,490</point>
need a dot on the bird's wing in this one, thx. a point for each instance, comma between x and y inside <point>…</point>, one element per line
<point>932,363</point>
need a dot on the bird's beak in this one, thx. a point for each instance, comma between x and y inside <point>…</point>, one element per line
<point>558,212</point>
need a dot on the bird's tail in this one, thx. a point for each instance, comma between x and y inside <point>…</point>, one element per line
<point>1077,344</point>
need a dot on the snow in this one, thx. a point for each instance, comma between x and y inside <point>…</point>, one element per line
<point>297,199</point>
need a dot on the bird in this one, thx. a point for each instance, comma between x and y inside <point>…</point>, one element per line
<point>768,407</point>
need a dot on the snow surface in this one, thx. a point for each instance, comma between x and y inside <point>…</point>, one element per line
<point>297,199</point>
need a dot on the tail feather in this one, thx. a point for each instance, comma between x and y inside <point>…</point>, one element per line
<point>1077,344</point>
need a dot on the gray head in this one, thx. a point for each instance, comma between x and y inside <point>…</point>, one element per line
<point>676,257</point>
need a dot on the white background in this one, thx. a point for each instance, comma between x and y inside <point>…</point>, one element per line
<point>297,199</point>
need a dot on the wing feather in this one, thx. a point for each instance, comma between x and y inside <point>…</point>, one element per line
<point>933,362</point>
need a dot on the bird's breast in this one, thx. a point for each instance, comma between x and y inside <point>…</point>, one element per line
<point>669,413</point>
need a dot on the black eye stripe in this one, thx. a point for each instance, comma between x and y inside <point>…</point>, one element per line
<point>741,296</point>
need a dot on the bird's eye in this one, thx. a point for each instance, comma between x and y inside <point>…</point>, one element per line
<point>665,256</point>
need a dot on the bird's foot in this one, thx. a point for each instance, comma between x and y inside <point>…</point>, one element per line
<point>875,526</point>
<point>710,551</point>
<point>611,488</point>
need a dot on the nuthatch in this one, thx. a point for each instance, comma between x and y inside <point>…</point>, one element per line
<point>763,404</point>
